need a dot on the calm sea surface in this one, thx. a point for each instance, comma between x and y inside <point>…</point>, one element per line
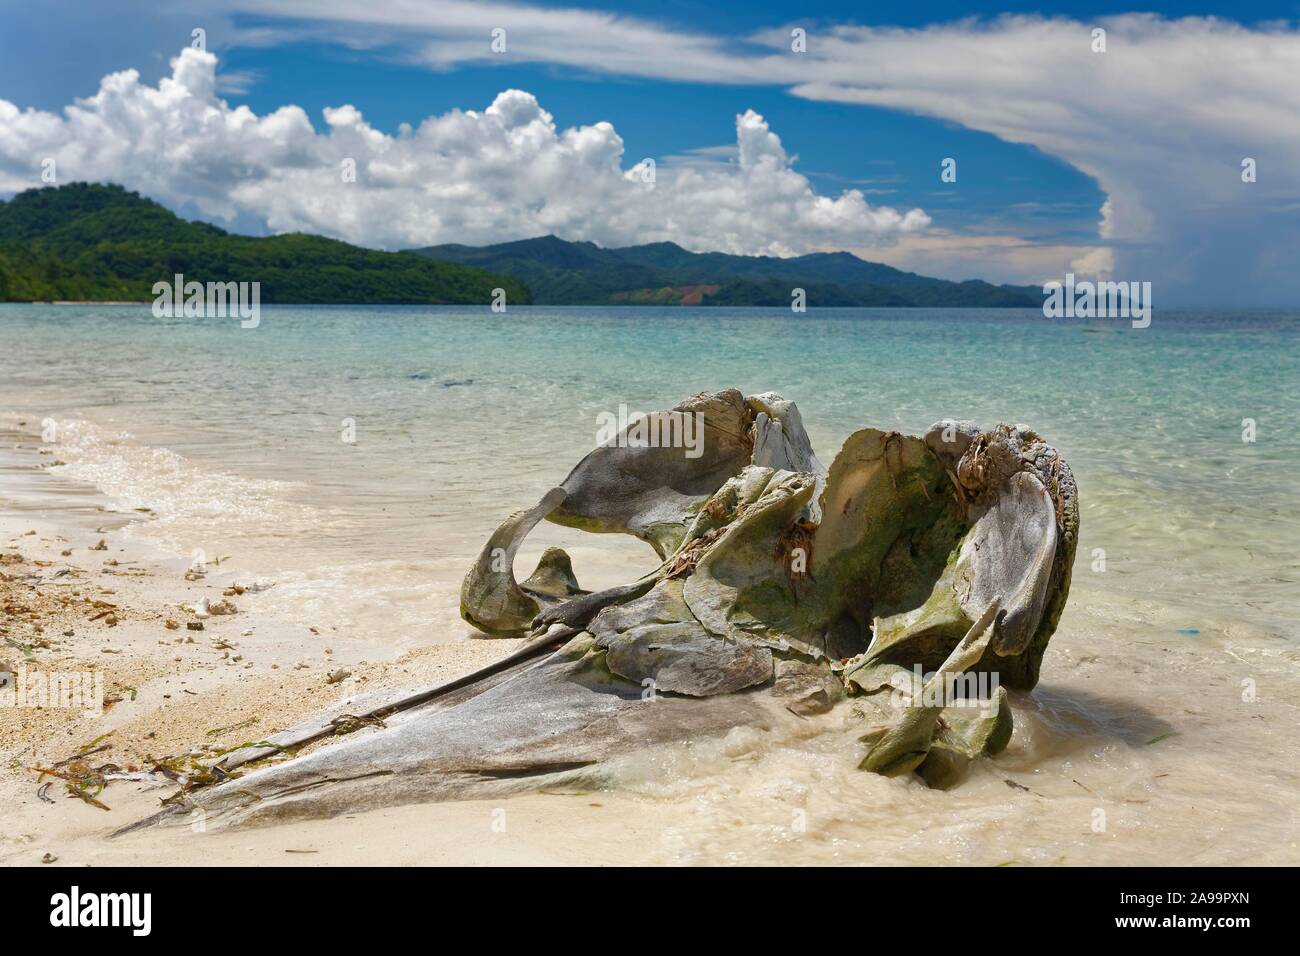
<point>461,416</point>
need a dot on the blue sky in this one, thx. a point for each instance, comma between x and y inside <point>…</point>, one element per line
<point>1015,192</point>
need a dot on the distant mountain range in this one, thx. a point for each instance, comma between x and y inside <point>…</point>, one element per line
<point>96,243</point>
<point>663,273</point>
<point>101,243</point>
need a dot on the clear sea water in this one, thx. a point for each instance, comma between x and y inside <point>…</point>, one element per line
<point>234,437</point>
<point>462,416</point>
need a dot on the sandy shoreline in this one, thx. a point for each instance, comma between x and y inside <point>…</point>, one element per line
<point>72,605</point>
<point>1134,722</point>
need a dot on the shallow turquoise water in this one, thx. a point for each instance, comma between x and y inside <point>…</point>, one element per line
<point>463,415</point>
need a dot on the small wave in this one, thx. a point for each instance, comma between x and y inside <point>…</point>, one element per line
<point>192,507</point>
<point>139,476</point>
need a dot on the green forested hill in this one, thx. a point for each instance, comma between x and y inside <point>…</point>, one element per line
<point>663,273</point>
<point>102,243</point>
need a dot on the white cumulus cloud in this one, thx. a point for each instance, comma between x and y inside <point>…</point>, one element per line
<point>1162,120</point>
<point>505,172</point>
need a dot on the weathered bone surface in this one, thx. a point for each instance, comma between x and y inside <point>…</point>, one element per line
<point>919,576</point>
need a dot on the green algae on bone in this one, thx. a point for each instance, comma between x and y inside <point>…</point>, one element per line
<point>886,525</point>
<point>905,746</point>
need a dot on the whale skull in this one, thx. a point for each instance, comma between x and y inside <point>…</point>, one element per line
<point>912,582</point>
